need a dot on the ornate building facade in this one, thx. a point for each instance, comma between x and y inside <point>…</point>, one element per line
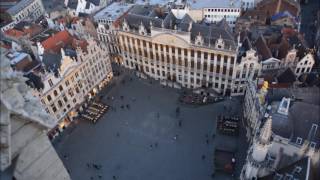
<point>81,73</point>
<point>189,54</point>
<point>25,150</point>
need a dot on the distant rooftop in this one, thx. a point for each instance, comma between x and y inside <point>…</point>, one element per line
<point>199,4</point>
<point>297,170</point>
<point>154,2</point>
<point>303,114</point>
<point>18,7</point>
<point>16,57</point>
<point>113,11</point>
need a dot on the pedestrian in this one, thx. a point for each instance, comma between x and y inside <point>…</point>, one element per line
<point>156,144</point>
<point>88,165</point>
<point>99,176</point>
<point>91,178</point>
<point>175,137</point>
<point>151,146</point>
<point>207,141</point>
<point>118,134</point>
<point>203,157</point>
<point>213,135</point>
<point>114,177</point>
<point>180,123</point>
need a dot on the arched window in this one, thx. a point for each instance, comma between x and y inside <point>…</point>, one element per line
<point>49,98</point>
<point>55,93</point>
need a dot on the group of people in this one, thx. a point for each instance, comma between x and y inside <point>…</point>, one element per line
<point>96,167</point>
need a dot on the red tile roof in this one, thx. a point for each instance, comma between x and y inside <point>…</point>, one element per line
<point>14,33</point>
<point>57,41</point>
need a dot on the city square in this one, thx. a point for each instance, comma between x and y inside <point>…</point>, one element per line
<point>145,140</point>
<point>160,89</point>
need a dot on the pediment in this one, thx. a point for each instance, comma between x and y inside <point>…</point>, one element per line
<point>170,39</point>
<point>66,65</point>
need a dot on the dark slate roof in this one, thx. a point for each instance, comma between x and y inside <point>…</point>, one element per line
<point>262,48</point>
<point>303,116</point>
<point>304,112</point>
<point>95,2</point>
<point>70,52</point>
<point>292,171</point>
<point>287,76</point>
<point>141,14</point>
<point>186,19</point>
<point>34,81</point>
<point>52,61</point>
<point>87,5</point>
<point>72,4</point>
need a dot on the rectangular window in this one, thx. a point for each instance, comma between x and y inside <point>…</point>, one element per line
<point>232,60</point>
<point>205,55</point>
<point>299,140</point>
<point>54,109</point>
<point>50,82</point>
<point>212,57</point>
<point>199,54</point>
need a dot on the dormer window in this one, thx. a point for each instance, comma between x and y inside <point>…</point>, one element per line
<point>50,82</point>
<point>219,44</point>
<point>299,141</point>
<point>297,169</point>
<point>313,145</point>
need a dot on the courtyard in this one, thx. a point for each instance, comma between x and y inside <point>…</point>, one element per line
<point>147,140</point>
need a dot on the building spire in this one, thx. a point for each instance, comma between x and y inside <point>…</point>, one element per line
<point>266,131</point>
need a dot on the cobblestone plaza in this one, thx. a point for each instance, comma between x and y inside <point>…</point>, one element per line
<point>139,142</point>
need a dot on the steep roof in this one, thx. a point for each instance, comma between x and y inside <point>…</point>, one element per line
<point>211,32</point>
<point>298,170</point>
<point>287,76</point>
<point>303,114</point>
<point>57,41</point>
<point>94,2</point>
<point>72,4</point>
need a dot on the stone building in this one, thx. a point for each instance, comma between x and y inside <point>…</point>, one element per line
<point>25,150</point>
<point>185,53</point>
<point>212,11</point>
<point>24,9</point>
<point>108,23</point>
<point>283,128</point>
<point>73,70</point>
